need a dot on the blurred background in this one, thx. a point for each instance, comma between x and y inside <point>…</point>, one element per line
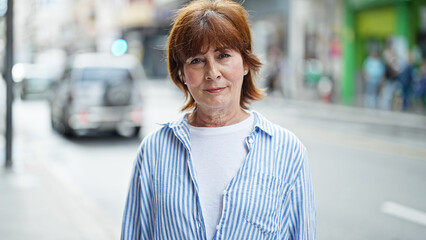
<point>90,81</point>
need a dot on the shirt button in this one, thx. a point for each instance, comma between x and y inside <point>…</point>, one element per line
<point>199,224</point>
<point>217,227</point>
<point>250,140</point>
<point>224,192</point>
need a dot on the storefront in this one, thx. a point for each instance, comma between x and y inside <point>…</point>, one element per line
<point>369,23</point>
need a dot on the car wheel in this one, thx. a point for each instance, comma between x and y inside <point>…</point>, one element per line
<point>53,124</point>
<point>67,130</point>
<point>61,127</point>
<point>137,130</point>
<point>23,96</point>
<point>69,133</point>
<point>127,132</point>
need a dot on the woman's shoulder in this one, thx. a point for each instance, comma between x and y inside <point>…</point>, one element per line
<point>158,135</point>
<point>287,149</point>
<point>164,132</point>
<point>288,138</point>
<point>279,134</point>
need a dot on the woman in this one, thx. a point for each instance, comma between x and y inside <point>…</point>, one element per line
<point>221,171</point>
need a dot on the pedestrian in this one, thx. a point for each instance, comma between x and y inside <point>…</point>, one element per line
<point>406,78</point>
<point>373,70</point>
<point>221,171</point>
<point>392,69</point>
<point>419,86</point>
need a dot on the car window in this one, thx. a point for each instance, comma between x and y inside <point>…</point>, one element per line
<point>108,75</point>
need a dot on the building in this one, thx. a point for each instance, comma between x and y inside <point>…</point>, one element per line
<point>366,21</point>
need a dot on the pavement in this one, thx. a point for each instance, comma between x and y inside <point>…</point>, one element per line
<point>342,113</point>
<point>38,202</point>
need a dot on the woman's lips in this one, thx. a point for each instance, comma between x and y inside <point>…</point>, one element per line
<point>215,90</point>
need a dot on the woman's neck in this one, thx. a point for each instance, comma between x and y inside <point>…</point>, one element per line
<point>216,118</point>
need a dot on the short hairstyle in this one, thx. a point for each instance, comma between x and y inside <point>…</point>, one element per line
<point>219,23</point>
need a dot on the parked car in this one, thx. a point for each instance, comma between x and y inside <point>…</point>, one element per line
<point>34,79</point>
<point>98,92</point>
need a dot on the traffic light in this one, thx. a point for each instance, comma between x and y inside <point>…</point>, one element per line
<point>119,47</point>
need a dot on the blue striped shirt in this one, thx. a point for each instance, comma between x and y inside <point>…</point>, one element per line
<point>271,196</point>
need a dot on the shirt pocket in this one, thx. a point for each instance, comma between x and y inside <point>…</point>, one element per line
<point>265,196</point>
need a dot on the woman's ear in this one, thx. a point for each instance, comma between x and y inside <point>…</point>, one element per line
<point>246,69</point>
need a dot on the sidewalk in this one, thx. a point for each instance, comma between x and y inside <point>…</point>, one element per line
<point>343,113</point>
<point>37,203</point>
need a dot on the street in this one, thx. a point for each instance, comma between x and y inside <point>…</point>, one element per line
<point>368,169</point>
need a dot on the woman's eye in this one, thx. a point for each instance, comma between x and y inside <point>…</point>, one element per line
<point>195,61</point>
<point>224,55</point>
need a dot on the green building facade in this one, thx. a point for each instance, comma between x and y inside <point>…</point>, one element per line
<point>365,20</point>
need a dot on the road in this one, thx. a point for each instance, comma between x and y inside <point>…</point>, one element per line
<point>368,172</point>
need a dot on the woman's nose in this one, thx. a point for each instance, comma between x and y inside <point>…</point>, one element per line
<point>212,71</point>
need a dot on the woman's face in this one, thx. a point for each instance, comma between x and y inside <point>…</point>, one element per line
<point>215,77</point>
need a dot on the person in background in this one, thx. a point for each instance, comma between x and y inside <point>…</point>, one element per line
<point>373,69</point>
<point>221,171</point>
<point>406,79</point>
<point>392,69</point>
<point>419,86</point>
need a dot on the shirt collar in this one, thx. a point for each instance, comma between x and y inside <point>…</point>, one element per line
<point>262,123</point>
<point>180,125</point>
<point>181,130</point>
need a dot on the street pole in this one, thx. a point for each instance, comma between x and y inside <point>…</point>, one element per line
<point>9,80</point>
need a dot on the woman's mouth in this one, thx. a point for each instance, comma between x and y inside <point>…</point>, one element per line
<point>215,90</point>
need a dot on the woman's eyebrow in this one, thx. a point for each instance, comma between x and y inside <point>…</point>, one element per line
<point>200,53</point>
<point>221,49</point>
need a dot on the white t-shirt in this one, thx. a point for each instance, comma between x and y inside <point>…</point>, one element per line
<point>217,155</point>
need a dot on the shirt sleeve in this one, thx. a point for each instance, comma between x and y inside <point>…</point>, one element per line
<point>302,205</point>
<point>137,217</point>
